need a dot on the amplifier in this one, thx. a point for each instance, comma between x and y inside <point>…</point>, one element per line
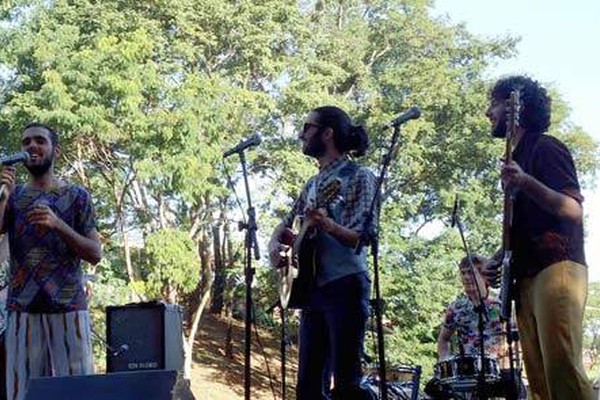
<point>139,385</point>
<point>144,336</point>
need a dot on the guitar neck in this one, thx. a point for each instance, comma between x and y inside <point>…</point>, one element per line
<point>512,119</point>
<point>507,222</point>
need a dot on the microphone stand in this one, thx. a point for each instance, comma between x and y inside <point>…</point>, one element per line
<point>370,235</point>
<point>283,350</point>
<point>251,245</point>
<point>482,315</point>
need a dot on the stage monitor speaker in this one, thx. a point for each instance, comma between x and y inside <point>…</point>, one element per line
<point>144,336</point>
<point>139,385</point>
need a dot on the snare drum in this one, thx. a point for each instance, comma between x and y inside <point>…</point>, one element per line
<point>465,369</point>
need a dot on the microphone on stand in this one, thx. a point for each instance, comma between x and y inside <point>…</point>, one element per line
<point>455,211</point>
<point>253,140</point>
<point>412,113</point>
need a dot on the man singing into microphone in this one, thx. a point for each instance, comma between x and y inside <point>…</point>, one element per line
<point>52,228</point>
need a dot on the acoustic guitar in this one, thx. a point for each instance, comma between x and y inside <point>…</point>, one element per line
<point>301,254</point>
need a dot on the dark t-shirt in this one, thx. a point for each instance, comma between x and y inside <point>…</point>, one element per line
<point>539,238</point>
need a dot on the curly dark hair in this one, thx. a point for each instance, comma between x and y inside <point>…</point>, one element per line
<point>53,133</point>
<point>535,113</point>
<point>348,138</point>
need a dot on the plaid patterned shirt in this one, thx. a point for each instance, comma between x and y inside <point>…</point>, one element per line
<point>356,195</point>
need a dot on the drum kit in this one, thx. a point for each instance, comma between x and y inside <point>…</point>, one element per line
<point>456,377</point>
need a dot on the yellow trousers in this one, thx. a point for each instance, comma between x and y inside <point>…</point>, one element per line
<point>550,319</point>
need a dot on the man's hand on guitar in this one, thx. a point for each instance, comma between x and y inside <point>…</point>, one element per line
<point>319,219</point>
<point>513,176</point>
<point>280,248</point>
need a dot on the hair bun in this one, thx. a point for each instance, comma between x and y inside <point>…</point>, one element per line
<point>359,140</point>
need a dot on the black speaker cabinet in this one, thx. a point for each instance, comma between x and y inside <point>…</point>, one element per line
<point>144,336</point>
<point>139,385</point>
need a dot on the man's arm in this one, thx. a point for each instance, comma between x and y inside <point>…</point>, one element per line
<point>86,247</point>
<point>552,201</point>
<point>274,246</point>
<point>553,186</point>
<point>3,204</point>
<point>347,236</point>
<point>7,184</point>
<point>443,343</point>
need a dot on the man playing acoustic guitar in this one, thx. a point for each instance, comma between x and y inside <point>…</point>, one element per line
<point>336,302</point>
<point>546,242</point>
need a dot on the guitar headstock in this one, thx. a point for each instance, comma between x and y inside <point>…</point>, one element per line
<point>513,111</point>
<point>329,193</point>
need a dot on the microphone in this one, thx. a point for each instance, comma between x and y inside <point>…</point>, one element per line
<point>10,160</point>
<point>253,140</point>
<point>412,113</point>
<point>15,158</point>
<point>455,211</point>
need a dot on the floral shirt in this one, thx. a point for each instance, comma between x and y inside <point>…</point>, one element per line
<point>461,317</point>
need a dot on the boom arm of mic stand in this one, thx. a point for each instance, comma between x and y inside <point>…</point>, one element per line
<point>369,235</point>
<point>482,316</point>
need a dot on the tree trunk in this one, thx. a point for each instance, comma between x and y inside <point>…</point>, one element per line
<point>122,224</point>
<point>207,281</point>
<point>220,270</point>
<point>189,346</point>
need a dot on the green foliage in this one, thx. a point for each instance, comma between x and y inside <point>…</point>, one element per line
<point>172,263</point>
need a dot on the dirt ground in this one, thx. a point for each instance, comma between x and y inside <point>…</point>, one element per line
<point>218,377</point>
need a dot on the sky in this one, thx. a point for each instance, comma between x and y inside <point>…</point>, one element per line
<point>559,46</point>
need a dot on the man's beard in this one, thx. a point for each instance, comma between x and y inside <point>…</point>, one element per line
<point>40,169</point>
<point>499,130</point>
<point>315,147</point>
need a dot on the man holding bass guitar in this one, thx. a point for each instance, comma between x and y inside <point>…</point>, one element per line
<point>546,243</point>
<point>335,303</point>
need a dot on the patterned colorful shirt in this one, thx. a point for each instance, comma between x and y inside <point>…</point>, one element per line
<point>45,275</point>
<point>462,318</point>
